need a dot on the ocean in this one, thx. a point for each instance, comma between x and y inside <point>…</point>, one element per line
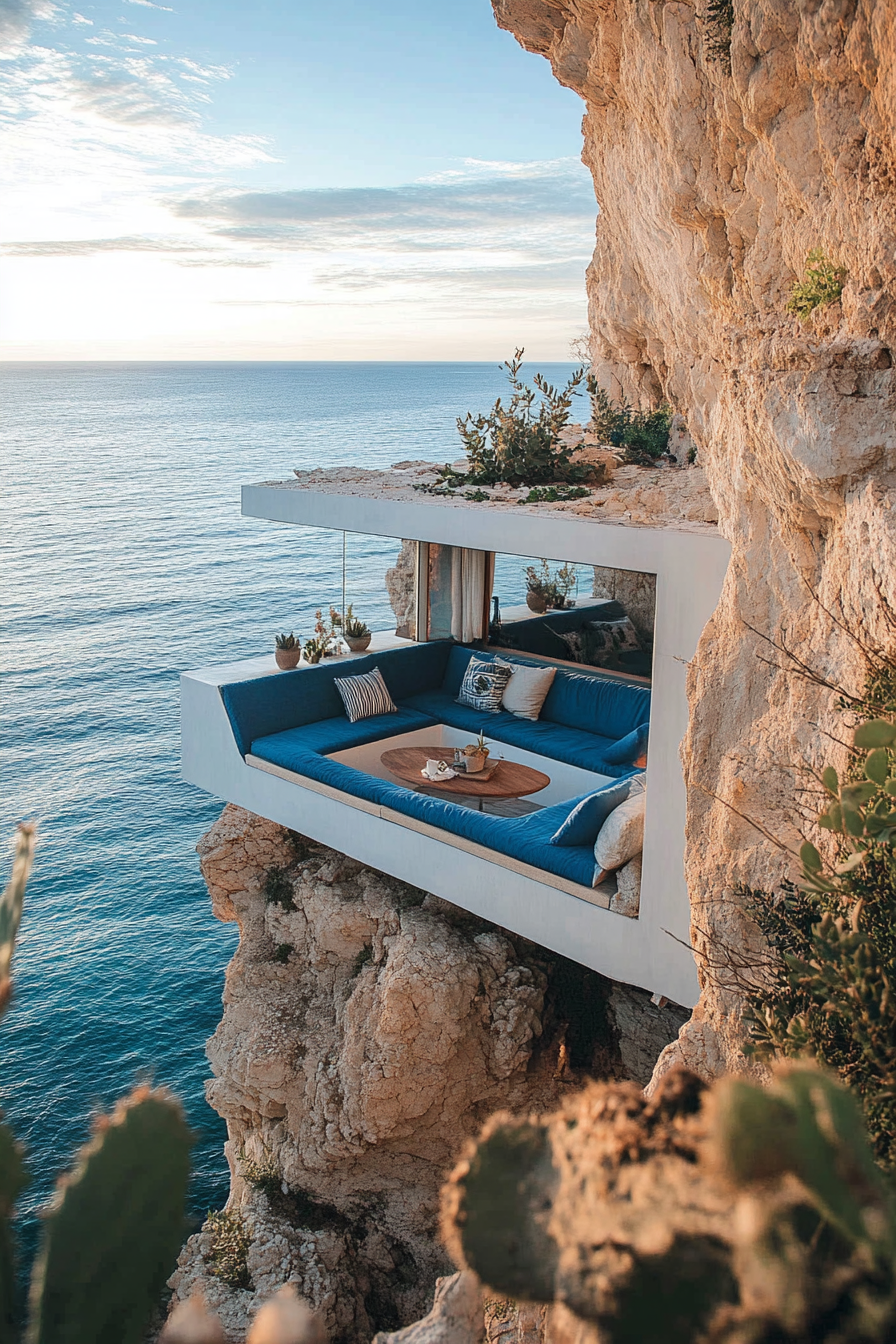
<point>125,561</point>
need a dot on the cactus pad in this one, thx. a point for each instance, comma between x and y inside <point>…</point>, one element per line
<point>114,1229</point>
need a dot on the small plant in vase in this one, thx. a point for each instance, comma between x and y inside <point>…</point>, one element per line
<point>538,584</point>
<point>476,755</point>
<point>325,642</point>
<point>546,589</point>
<point>563,583</point>
<point>288,651</point>
<point>355,633</point>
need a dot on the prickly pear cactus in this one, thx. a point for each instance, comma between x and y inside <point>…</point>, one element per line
<point>736,1214</point>
<point>114,1230</point>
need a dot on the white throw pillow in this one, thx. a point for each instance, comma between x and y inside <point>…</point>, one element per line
<point>622,835</point>
<point>527,689</point>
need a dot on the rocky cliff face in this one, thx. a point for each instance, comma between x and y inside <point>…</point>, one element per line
<point>713,184</point>
<point>368,1030</point>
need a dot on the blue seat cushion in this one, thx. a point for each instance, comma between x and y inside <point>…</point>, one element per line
<point>628,748</point>
<point>587,814</point>
<point>336,734</point>
<point>542,737</point>
<point>524,838</point>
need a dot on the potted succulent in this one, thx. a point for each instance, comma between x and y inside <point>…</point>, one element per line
<point>355,633</point>
<point>315,649</point>
<point>288,651</point>
<point>476,755</point>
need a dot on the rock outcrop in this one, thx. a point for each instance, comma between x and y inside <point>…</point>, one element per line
<point>368,1031</point>
<point>714,181</point>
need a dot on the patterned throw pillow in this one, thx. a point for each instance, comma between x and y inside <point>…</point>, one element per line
<point>365,695</point>
<point>483,684</point>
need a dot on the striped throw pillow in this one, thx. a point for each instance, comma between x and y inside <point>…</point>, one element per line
<point>483,684</point>
<point>365,695</point>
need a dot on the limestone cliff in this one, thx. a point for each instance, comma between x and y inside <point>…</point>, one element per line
<point>368,1030</point>
<point>713,182</point>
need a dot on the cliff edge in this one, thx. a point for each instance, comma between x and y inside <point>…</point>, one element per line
<point>720,159</point>
<point>369,1029</point>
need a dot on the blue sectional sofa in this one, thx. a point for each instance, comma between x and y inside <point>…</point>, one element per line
<point>295,719</point>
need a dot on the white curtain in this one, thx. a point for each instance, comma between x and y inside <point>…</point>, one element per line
<point>467,594</point>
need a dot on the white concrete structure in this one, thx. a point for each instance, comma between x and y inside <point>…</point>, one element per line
<point>650,951</point>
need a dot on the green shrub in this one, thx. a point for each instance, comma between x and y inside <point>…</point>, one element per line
<point>718,19</point>
<point>550,494</point>
<point>263,1175</point>
<point>643,436</point>
<point>822,284</point>
<point>283,952</point>
<point>832,979</point>
<point>361,960</point>
<point>521,443</point>
<point>230,1248</point>
<point>278,888</point>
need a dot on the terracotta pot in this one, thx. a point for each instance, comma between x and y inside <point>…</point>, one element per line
<point>287,658</point>
<point>535,602</point>
<point>476,762</point>
<point>358,644</point>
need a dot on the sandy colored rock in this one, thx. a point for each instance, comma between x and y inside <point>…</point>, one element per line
<point>351,1075</point>
<point>456,1316</point>
<point>663,495</point>
<point>627,897</point>
<point>401,585</point>
<point>713,185</point>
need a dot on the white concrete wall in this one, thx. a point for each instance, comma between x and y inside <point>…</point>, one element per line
<point>690,569</point>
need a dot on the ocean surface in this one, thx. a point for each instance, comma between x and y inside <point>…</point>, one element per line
<point>124,561</point>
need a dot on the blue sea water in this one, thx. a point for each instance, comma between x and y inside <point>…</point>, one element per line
<point>124,561</point>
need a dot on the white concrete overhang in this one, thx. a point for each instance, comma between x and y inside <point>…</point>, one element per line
<point>689,560</point>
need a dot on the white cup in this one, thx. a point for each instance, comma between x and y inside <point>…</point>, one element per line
<point>435,769</point>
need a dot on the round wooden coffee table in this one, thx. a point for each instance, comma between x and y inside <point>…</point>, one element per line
<point>509,779</point>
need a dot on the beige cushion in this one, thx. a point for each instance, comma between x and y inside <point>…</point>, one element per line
<point>527,690</point>
<point>622,835</point>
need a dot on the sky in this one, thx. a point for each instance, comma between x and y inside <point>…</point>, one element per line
<point>285,180</point>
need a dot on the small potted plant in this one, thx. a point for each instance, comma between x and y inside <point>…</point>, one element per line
<point>476,755</point>
<point>325,642</point>
<point>538,587</point>
<point>288,651</point>
<point>355,633</point>
<point>315,648</point>
<point>321,642</point>
<point>561,585</point>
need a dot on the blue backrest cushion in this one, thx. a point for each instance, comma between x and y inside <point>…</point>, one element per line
<point>588,813</point>
<point>414,667</point>
<point>627,750</point>
<point>456,667</point>
<point>596,704</point>
<point>284,700</point>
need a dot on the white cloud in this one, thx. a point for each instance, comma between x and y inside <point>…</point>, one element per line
<point>148,4</point>
<point>127,227</point>
<point>548,208</point>
<point>16,18</point>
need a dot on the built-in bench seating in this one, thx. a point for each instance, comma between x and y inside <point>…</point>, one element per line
<point>293,720</point>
